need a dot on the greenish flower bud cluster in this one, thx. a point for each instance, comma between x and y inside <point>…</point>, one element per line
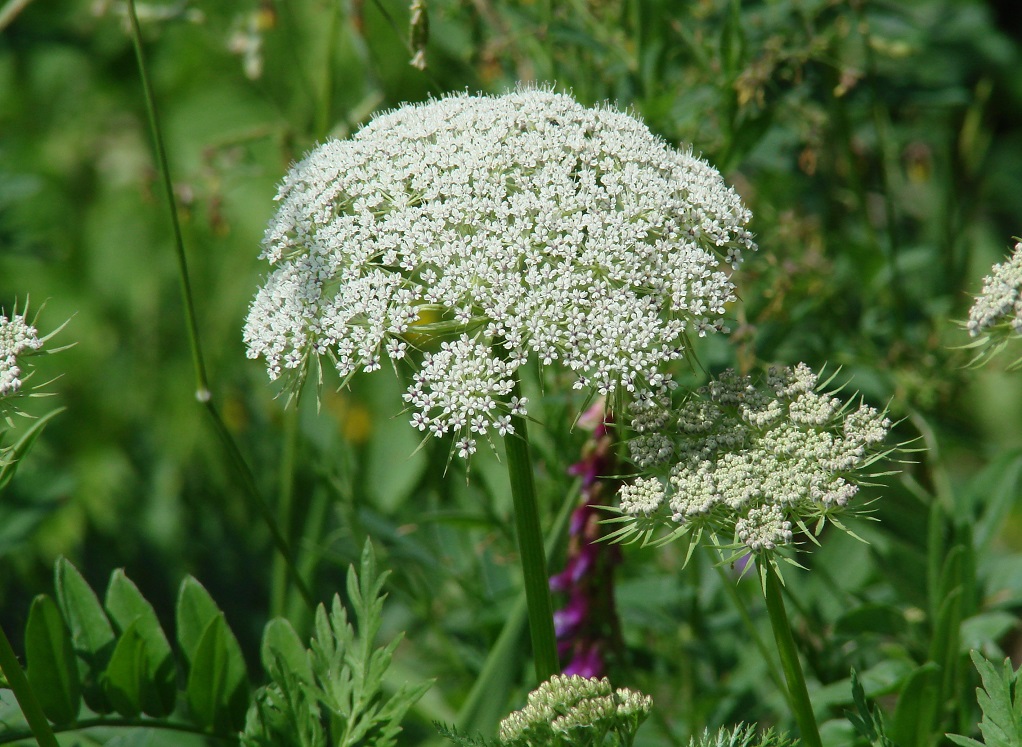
<point>996,315</point>
<point>571,710</point>
<point>746,461</point>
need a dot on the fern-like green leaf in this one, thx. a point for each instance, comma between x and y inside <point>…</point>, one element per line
<point>339,698</point>
<point>1001,702</point>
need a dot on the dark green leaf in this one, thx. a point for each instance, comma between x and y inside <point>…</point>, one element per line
<point>217,683</point>
<point>128,609</point>
<point>882,619</point>
<point>917,706</point>
<point>125,675</point>
<point>993,493</point>
<point>195,610</point>
<point>91,634</point>
<point>52,670</point>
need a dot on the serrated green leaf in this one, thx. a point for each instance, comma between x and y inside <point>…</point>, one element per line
<point>128,609</point>
<point>964,741</point>
<point>217,690</point>
<point>282,648</point>
<point>52,669</point>
<point>92,637</point>
<point>194,612</point>
<point>999,700</point>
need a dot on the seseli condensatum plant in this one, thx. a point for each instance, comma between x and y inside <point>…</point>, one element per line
<point>472,235</point>
<point>996,315</point>
<point>749,468</point>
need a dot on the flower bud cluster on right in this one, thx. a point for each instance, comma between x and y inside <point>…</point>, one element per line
<point>746,461</point>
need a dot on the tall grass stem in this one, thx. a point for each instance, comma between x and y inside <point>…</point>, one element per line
<point>202,391</point>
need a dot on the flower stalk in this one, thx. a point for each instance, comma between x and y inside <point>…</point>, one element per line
<point>793,675</point>
<point>530,547</point>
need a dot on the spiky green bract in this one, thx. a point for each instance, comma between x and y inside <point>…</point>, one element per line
<point>573,711</point>
<point>995,318</point>
<point>747,463</point>
<point>331,695</point>
<point>742,735</point>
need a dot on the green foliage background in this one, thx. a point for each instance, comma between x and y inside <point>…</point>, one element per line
<point>878,145</point>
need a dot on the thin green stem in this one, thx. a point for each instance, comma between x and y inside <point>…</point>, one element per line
<point>797,690</point>
<point>530,548</point>
<point>30,707</point>
<point>202,391</point>
<point>201,383</point>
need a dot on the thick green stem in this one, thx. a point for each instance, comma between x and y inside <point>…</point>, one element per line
<point>285,501</point>
<point>799,694</point>
<point>530,548</point>
<point>30,707</point>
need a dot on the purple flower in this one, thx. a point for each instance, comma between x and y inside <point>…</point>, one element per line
<point>587,662</point>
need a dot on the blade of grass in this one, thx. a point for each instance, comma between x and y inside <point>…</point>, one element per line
<point>202,390</point>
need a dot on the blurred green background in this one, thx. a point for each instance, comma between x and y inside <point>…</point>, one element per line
<point>879,146</point>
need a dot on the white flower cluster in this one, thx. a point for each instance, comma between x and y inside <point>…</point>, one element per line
<point>996,315</point>
<point>17,338</point>
<point>568,709</point>
<point>526,226</point>
<point>746,461</point>
<point>1001,299</point>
